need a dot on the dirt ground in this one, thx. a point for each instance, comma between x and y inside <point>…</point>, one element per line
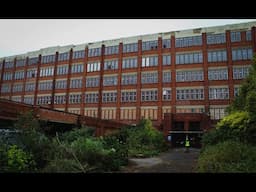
<point>173,161</point>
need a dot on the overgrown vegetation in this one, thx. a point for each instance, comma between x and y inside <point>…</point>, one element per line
<point>76,150</point>
<point>231,146</point>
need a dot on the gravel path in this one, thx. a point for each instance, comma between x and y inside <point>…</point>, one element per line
<point>173,161</point>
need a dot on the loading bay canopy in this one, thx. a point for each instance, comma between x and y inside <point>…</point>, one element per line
<point>186,131</point>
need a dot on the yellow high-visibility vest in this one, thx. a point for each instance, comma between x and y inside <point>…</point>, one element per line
<point>187,144</point>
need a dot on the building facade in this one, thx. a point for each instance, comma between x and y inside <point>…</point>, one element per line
<point>190,71</point>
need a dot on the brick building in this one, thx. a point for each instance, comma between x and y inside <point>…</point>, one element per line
<point>195,71</point>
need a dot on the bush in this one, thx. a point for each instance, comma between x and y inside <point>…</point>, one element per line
<point>66,166</point>
<point>144,140</point>
<point>76,133</point>
<point>231,127</point>
<point>19,161</point>
<point>228,156</point>
<point>119,149</point>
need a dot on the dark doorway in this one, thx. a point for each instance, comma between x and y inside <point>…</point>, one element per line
<point>178,126</point>
<point>194,126</point>
<point>195,140</point>
<point>178,139</point>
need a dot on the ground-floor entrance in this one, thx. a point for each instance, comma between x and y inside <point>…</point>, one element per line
<point>177,139</point>
<point>179,126</point>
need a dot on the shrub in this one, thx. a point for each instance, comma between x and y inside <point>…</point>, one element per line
<point>76,133</point>
<point>231,127</point>
<point>19,161</point>
<point>144,140</point>
<point>228,156</point>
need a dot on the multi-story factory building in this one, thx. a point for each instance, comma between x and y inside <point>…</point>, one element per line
<point>190,71</point>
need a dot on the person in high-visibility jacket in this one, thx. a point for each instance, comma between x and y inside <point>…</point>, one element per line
<point>187,144</point>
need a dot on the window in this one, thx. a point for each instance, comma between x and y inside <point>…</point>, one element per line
<point>167,77</point>
<point>30,86</point>
<point>92,81</point>
<point>216,38</point>
<point>31,73</point>
<point>63,56</point>
<point>45,85</point>
<point>149,45</point>
<point>148,113</point>
<point>17,88</point>
<point>109,97</point>
<point>129,79</point>
<point>44,72</point>
<point>129,96</point>
<point>33,61</point>
<point>6,88</point>
<point>240,72</point>
<point>78,54</point>
<point>111,64</point>
<point>16,98</point>
<point>218,74</point>
<point>111,50</point>
<point>19,75</point>
<point>167,94</point>
<point>7,76</point>
<point>218,93</point>
<point>188,41</point>
<point>48,59</point>
<point>45,100</point>
<point>75,98</point>
<point>62,70</point>
<point>129,63</point>
<point>182,76</point>
<point>128,48</point>
<point>92,97</point>
<point>29,100</point>
<point>166,43</point>
<point>128,113</point>
<point>9,64</point>
<point>95,66</point>
<point>77,68</point>
<point>110,80</point>
<point>20,63</point>
<point>217,56</point>
<point>149,61</point>
<point>188,58</point>
<point>149,95</point>
<point>59,99</point>
<point>235,36</point>
<point>236,91</point>
<point>217,113</point>
<point>248,35</point>
<point>75,83</point>
<point>166,59</point>
<point>242,54</point>
<point>95,52</point>
<point>149,77</point>
<point>61,84</point>
<point>190,94</point>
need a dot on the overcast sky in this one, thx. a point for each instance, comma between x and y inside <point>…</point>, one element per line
<point>18,36</point>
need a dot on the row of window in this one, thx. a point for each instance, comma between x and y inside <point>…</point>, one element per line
<point>147,61</point>
<point>133,47</point>
<point>146,95</point>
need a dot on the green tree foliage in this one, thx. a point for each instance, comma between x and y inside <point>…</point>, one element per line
<point>19,160</point>
<point>246,98</point>
<point>231,127</point>
<point>77,133</point>
<point>144,140</point>
<point>228,156</point>
<point>27,122</point>
<point>32,139</point>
